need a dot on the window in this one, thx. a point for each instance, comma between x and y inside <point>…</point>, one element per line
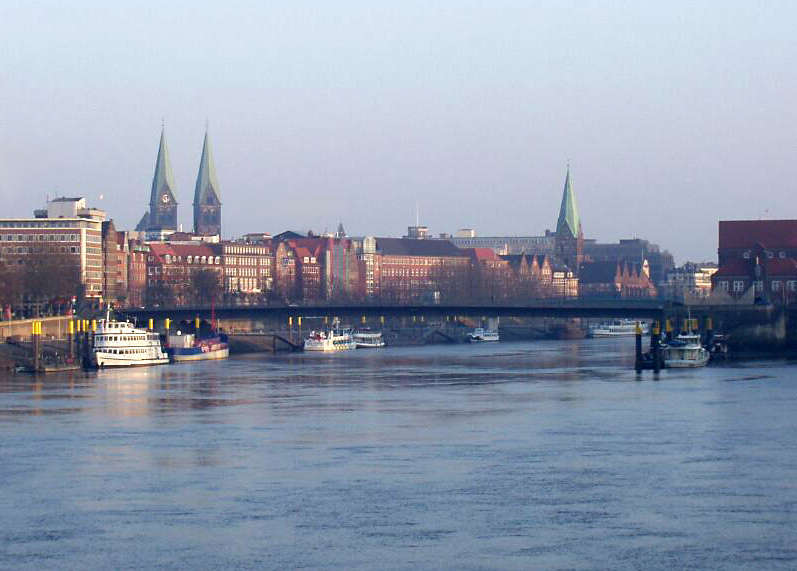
<point>770,255</point>
<point>759,286</point>
<point>792,285</point>
<point>776,285</point>
<point>746,255</point>
<point>189,259</point>
<point>738,286</point>
<point>782,255</point>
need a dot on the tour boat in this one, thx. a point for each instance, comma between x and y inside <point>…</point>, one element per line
<point>368,339</point>
<point>187,347</point>
<point>331,340</point>
<point>120,344</point>
<point>481,334</point>
<point>685,351</point>
<point>618,328</point>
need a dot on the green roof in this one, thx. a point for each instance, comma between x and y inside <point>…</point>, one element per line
<point>163,180</point>
<point>569,222</point>
<point>206,183</point>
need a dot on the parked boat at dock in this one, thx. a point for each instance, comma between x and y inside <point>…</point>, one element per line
<point>368,339</point>
<point>685,351</point>
<point>330,340</point>
<point>188,347</point>
<point>480,334</point>
<point>618,328</point>
<point>121,344</point>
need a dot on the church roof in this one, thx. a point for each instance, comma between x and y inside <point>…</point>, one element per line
<point>569,221</point>
<point>207,184</point>
<point>163,180</point>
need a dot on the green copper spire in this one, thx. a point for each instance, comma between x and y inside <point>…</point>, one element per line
<point>207,205</point>
<point>569,223</point>
<point>163,180</point>
<point>207,186</point>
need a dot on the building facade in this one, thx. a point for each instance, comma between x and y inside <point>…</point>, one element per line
<point>66,235</point>
<point>758,257</point>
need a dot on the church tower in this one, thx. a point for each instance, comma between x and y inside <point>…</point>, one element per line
<point>569,238</point>
<point>207,206</point>
<point>162,204</point>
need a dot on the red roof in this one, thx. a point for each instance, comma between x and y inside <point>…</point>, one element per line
<point>482,253</point>
<point>747,233</point>
<point>735,267</point>
<point>160,249</point>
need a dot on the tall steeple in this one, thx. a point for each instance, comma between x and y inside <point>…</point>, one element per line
<point>162,203</point>
<point>569,223</point>
<point>569,238</point>
<point>207,205</point>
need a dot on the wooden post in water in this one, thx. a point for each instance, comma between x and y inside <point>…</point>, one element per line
<point>638,349</point>
<point>655,333</point>
<point>70,332</point>
<point>37,346</point>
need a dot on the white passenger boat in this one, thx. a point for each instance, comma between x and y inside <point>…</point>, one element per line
<point>120,344</point>
<point>368,339</point>
<point>480,334</point>
<point>330,340</point>
<point>685,351</point>
<point>618,328</point>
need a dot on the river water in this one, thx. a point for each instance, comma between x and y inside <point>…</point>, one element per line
<point>513,455</point>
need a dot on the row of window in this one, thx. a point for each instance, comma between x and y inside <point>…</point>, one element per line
<point>28,250</point>
<point>39,237</point>
<point>739,286</point>
<point>768,253</point>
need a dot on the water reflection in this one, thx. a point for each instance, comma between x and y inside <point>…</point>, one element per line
<point>529,455</point>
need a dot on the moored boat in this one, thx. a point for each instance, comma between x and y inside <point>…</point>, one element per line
<point>330,340</point>
<point>685,351</point>
<point>618,328</point>
<point>187,347</point>
<point>121,344</point>
<point>368,339</point>
<point>480,334</point>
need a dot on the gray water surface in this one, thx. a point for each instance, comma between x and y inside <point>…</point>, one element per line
<point>510,455</point>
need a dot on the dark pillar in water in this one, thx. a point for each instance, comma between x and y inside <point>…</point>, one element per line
<point>638,350</point>
<point>655,334</point>
<point>37,346</point>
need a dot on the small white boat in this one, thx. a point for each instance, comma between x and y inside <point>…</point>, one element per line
<point>685,351</point>
<point>120,344</point>
<point>480,334</point>
<point>368,339</point>
<point>329,341</point>
<point>618,328</point>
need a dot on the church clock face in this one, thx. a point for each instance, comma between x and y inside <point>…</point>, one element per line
<point>165,198</point>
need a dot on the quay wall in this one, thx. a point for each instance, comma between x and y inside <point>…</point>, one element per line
<point>52,327</point>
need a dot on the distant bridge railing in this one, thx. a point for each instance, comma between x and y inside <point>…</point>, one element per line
<point>547,307</point>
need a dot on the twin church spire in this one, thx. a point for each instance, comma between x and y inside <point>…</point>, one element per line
<point>162,215</point>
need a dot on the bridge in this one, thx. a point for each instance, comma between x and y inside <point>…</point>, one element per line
<point>563,308</point>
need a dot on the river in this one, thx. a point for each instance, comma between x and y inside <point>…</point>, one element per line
<point>547,454</point>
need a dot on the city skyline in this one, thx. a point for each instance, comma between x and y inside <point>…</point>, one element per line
<point>670,118</point>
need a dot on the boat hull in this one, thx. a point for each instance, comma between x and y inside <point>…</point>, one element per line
<point>105,361</point>
<point>183,355</point>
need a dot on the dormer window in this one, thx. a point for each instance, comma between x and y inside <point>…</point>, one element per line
<point>782,255</point>
<point>770,255</point>
<point>746,255</point>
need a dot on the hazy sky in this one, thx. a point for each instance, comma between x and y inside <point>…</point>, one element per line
<point>673,115</point>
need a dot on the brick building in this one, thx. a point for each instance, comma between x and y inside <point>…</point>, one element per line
<point>616,279</point>
<point>412,270</point>
<point>758,254</point>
